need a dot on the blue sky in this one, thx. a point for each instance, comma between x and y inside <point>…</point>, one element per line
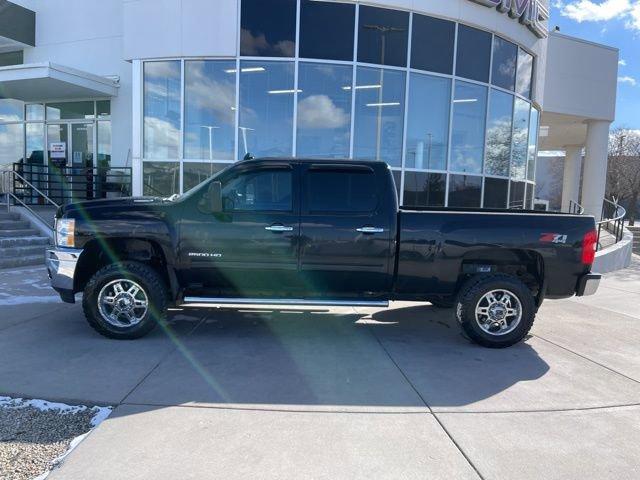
<point>615,23</point>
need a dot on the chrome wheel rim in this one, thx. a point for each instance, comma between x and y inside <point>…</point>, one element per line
<point>498,312</point>
<point>123,303</point>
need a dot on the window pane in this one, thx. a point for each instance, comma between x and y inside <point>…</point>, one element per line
<point>379,115</point>
<point>315,41</point>
<point>35,143</point>
<point>474,53</point>
<point>499,134</point>
<point>350,191</point>
<point>11,144</point>
<point>324,110</point>
<point>532,154</point>
<point>161,109</point>
<point>469,115</point>
<point>11,110</point>
<point>11,58</point>
<point>35,111</point>
<point>196,173</point>
<point>382,36</point>
<point>209,102</point>
<point>266,109</point>
<point>528,199</point>
<point>267,190</point>
<point>525,73</point>
<point>516,197</point>
<point>104,144</point>
<point>103,108</point>
<point>504,64</point>
<point>424,189</point>
<point>70,110</point>
<point>160,179</point>
<point>268,29</point>
<point>464,191</point>
<point>520,146</point>
<point>495,192</point>
<point>428,122</point>
<point>433,41</point>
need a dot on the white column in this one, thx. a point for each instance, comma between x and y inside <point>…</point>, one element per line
<point>571,178</point>
<point>594,178</point>
<point>136,127</point>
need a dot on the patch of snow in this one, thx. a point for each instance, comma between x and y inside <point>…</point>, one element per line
<point>100,414</point>
<point>26,299</point>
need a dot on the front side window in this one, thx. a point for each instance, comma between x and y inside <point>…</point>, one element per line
<point>266,109</point>
<point>499,133</point>
<point>209,117</point>
<point>382,36</point>
<point>161,109</point>
<point>342,191</point>
<point>379,115</point>
<point>428,122</point>
<point>467,142</point>
<point>268,29</point>
<point>259,191</point>
<point>324,110</point>
<point>316,41</point>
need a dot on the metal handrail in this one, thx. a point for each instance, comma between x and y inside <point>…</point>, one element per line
<point>615,217</point>
<point>575,208</point>
<point>10,195</point>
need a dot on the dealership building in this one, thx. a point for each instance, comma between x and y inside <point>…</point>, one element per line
<point>457,96</point>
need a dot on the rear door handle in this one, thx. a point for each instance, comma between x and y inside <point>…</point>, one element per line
<point>279,228</point>
<point>370,230</point>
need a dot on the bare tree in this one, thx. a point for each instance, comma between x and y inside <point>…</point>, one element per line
<point>623,173</point>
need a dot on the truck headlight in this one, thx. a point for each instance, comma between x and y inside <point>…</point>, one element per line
<point>65,232</point>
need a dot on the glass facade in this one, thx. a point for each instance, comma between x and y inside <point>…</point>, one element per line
<point>446,105</point>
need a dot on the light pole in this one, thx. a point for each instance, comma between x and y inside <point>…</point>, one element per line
<point>211,128</point>
<point>244,137</point>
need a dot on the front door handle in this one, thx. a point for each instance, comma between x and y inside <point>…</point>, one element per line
<point>370,230</point>
<point>279,228</point>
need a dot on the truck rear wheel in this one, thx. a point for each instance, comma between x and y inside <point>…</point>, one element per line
<point>495,311</point>
<point>125,300</point>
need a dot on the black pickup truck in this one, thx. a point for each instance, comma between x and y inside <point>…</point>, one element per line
<point>315,232</point>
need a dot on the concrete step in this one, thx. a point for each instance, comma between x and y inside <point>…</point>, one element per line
<point>13,224</point>
<point>22,261</point>
<point>7,242</point>
<point>4,216</point>
<point>21,232</point>
<point>22,251</point>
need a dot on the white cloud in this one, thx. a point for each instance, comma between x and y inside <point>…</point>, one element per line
<point>594,11</point>
<point>627,79</point>
<point>622,62</point>
<point>319,111</point>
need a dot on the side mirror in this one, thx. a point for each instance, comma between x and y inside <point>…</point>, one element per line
<point>215,197</point>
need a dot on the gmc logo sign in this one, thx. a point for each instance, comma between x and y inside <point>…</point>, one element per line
<point>531,13</point>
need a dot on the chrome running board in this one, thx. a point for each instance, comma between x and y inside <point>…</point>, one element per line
<point>207,301</point>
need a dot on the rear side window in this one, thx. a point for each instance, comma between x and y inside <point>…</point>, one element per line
<point>348,191</point>
<point>264,190</point>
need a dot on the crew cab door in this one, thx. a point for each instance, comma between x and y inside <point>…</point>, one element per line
<point>251,247</point>
<point>345,232</point>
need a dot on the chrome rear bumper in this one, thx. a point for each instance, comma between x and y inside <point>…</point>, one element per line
<point>588,284</point>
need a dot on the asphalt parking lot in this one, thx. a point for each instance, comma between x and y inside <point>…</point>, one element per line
<point>339,393</point>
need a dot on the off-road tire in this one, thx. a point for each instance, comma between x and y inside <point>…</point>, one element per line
<point>471,293</point>
<point>143,275</point>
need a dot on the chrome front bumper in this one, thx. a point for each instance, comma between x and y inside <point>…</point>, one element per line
<point>61,266</point>
<point>588,284</point>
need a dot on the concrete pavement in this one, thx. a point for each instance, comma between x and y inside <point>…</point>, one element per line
<point>340,393</point>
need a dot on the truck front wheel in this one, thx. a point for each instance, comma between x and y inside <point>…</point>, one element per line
<point>495,311</point>
<point>125,300</point>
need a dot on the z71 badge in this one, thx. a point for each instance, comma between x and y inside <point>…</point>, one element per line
<point>553,238</point>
